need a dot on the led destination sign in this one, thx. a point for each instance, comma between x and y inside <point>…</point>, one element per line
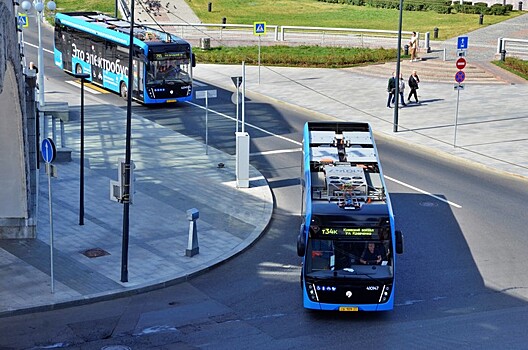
<point>348,231</point>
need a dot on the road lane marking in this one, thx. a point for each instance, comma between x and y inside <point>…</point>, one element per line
<point>422,191</point>
<point>246,124</point>
<point>76,84</point>
<point>278,151</point>
<point>300,144</point>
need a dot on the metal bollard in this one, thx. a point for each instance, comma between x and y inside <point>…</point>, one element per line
<point>520,5</point>
<point>210,7</point>
<point>481,19</point>
<point>435,33</point>
<point>405,50</point>
<point>192,245</point>
<point>224,21</point>
<point>503,55</point>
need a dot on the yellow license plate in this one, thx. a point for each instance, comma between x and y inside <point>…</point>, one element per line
<point>169,101</point>
<point>347,308</point>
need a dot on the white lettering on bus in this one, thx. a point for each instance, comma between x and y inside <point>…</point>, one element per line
<point>94,60</point>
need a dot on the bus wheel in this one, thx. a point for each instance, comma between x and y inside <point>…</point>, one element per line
<point>123,91</point>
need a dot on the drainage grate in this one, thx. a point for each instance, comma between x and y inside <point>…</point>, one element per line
<point>95,253</point>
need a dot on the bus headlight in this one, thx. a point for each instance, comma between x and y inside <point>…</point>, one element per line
<point>385,294</point>
<point>312,293</point>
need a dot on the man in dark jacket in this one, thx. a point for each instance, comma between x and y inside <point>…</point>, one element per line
<point>413,85</point>
<point>391,89</point>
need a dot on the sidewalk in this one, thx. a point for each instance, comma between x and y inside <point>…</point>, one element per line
<point>174,174</point>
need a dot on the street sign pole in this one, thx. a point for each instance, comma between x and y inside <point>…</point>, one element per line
<point>49,152</point>
<point>259,60</point>
<point>456,117</point>
<point>206,94</point>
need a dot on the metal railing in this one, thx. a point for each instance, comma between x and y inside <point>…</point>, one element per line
<point>513,47</point>
<point>347,37</point>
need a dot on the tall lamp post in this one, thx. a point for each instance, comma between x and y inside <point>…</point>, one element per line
<point>397,81</point>
<point>126,189</point>
<point>83,77</point>
<point>39,7</point>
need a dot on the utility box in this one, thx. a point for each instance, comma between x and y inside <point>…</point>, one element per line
<point>242,159</point>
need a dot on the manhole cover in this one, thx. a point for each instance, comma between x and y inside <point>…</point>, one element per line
<point>95,252</point>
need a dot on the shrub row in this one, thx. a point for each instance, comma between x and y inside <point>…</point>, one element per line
<point>440,6</point>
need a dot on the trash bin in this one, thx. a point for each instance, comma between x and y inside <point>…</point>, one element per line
<point>205,43</point>
<point>520,5</point>
<point>405,50</point>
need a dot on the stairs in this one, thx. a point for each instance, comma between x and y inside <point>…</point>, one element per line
<point>432,68</point>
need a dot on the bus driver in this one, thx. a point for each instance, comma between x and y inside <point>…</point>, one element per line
<point>372,255</point>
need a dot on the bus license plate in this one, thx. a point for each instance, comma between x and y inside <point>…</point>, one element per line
<point>347,308</point>
<point>171,101</point>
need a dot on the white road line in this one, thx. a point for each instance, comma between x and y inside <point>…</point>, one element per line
<point>422,191</point>
<point>278,151</point>
<point>247,124</point>
<point>76,84</point>
<point>300,144</point>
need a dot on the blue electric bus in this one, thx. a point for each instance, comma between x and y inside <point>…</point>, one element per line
<point>98,44</point>
<point>347,239</point>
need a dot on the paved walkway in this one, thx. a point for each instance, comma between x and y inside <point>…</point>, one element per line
<point>174,175</point>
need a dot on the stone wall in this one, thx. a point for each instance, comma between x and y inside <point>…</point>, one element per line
<point>17,135</point>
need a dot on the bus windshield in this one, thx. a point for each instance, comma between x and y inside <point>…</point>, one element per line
<point>168,72</point>
<point>348,258</point>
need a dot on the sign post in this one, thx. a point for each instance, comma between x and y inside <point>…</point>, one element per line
<point>206,94</point>
<point>48,151</point>
<point>460,76</point>
<point>259,29</point>
<point>237,81</point>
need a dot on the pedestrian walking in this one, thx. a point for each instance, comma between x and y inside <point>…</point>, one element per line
<point>413,45</point>
<point>391,89</point>
<point>401,89</point>
<point>413,85</point>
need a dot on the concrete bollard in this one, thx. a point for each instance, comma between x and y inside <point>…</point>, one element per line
<point>192,246</point>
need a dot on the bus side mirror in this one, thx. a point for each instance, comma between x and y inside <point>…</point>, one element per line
<point>301,242</point>
<point>399,242</point>
<point>193,60</point>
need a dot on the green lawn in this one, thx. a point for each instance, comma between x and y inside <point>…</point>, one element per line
<point>322,14</point>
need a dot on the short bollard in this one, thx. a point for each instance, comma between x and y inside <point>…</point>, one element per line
<point>435,33</point>
<point>481,19</point>
<point>406,50</point>
<point>192,245</point>
<point>503,55</point>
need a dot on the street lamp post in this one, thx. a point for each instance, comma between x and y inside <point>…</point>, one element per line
<point>39,7</point>
<point>83,77</point>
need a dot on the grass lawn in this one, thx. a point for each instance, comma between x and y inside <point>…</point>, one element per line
<point>322,14</point>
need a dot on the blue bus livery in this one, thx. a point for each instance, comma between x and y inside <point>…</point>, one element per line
<point>98,44</point>
<point>348,238</point>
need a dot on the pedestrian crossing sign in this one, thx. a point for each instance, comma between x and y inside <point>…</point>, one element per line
<point>23,20</point>
<point>259,28</point>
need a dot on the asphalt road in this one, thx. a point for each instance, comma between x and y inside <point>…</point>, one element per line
<point>461,282</point>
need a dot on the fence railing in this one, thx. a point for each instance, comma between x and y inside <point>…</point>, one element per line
<point>347,37</point>
<point>513,47</point>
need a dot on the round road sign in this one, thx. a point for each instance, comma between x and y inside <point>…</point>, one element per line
<point>460,76</point>
<point>461,63</point>
<point>47,148</point>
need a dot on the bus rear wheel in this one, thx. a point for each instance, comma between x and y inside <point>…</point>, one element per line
<point>123,91</point>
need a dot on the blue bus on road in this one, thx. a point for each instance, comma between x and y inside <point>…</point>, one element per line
<point>98,44</point>
<point>347,239</point>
